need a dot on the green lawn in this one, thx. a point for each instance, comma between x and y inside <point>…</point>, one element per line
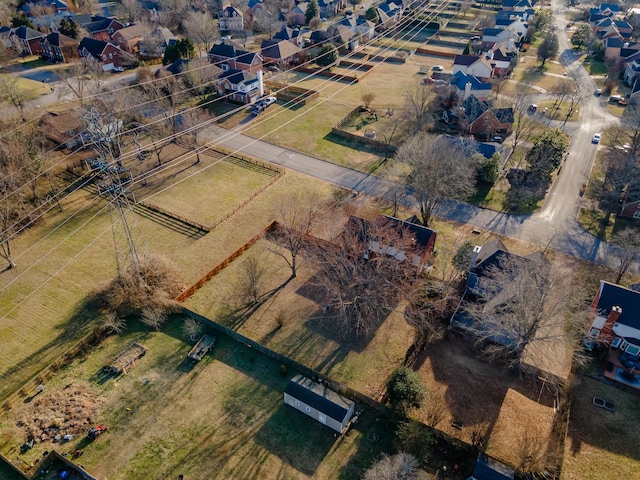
<point>596,68</point>
<point>601,444</point>
<point>590,220</point>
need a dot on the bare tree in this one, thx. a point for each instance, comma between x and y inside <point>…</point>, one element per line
<point>549,48</point>
<point>399,466</point>
<point>440,169</point>
<point>297,218</point>
<point>200,27</point>
<point>575,98</point>
<point>560,90</point>
<point>191,328</point>
<point>128,10</point>
<point>524,124</point>
<point>620,181</point>
<point>367,98</point>
<point>417,100</point>
<point>631,125</point>
<point>517,306</point>
<point>199,77</point>
<point>12,92</point>
<point>82,78</point>
<point>267,18</point>
<point>165,92</point>
<point>250,285</point>
<point>359,278</point>
<point>628,243</point>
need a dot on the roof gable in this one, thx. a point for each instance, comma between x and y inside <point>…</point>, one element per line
<point>611,295</point>
<point>319,397</point>
<point>473,108</point>
<point>504,115</point>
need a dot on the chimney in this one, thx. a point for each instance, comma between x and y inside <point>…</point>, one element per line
<point>260,83</point>
<point>474,255</point>
<point>467,90</point>
<point>607,328</point>
<point>490,54</point>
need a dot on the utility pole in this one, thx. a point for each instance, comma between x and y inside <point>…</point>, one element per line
<point>113,180</point>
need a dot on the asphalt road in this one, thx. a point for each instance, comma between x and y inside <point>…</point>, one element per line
<point>555,223</point>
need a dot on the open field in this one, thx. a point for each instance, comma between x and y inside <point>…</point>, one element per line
<point>282,126</point>
<point>602,444</point>
<point>26,87</point>
<point>221,418</point>
<point>43,310</point>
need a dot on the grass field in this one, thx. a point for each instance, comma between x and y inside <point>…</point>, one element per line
<point>27,88</point>
<point>308,128</point>
<point>602,444</point>
<point>222,418</point>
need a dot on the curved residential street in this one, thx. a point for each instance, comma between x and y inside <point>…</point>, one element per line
<point>555,221</point>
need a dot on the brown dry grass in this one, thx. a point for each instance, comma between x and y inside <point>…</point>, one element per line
<point>70,411</point>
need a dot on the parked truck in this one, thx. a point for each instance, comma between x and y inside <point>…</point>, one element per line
<point>201,348</point>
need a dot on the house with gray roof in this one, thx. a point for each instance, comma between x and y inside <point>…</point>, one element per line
<point>480,119</point>
<point>319,402</point>
<point>57,47</point>
<point>27,40</point>
<point>231,19</point>
<point>238,86</point>
<point>293,35</point>
<point>282,53</point>
<point>228,56</point>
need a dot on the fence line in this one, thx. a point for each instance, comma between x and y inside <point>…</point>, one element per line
<point>337,130</point>
<point>289,362</point>
<point>218,268</point>
<point>89,340</point>
<point>162,211</point>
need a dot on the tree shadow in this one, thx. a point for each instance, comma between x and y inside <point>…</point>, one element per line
<point>296,438</point>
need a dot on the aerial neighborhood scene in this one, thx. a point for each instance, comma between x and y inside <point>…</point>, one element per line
<point>319,239</point>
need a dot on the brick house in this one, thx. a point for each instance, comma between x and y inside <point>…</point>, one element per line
<point>59,48</point>
<point>101,28</point>
<point>129,38</point>
<point>480,119</point>
<point>231,19</point>
<point>228,57</point>
<point>108,54</point>
<point>27,40</point>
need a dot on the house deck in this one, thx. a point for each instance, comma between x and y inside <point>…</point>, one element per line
<point>616,371</point>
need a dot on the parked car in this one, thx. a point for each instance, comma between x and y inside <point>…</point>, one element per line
<point>596,138</point>
<point>615,98</point>
<point>497,139</point>
<point>118,69</point>
<point>266,101</point>
<point>437,68</point>
<point>533,108</point>
<point>598,92</point>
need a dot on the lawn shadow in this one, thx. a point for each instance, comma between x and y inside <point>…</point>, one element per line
<point>296,439</point>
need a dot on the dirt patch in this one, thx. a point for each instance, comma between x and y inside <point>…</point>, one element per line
<point>482,403</point>
<point>70,411</point>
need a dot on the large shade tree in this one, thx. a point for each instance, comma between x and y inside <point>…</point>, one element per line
<point>439,169</point>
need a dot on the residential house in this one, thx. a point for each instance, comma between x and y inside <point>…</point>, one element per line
<point>463,85</point>
<point>390,12</point>
<point>59,48</point>
<point>517,5</point>
<point>293,35</point>
<point>500,59</point>
<point>488,468</point>
<point>27,40</point>
<point>298,13</point>
<point>107,53</point>
<point>505,18</point>
<point>282,53</point>
<point>612,48</point>
<point>476,65</point>
<point>64,128</point>
<point>231,19</point>
<point>129,38</point>
<point>616,325</point>
<point>343,37</point>
<point>56,6</point>
<point>605,10</point>
<point>254,6</point>
<point>318,37</point>
<point>227,57</point>
<point>359,25</point>
<point>328,8</point>
<point>486,149</point>
<point>482,120</point>
<point>418,241</point>
<point>631,70</point>
<point>491,36</point>
<point>609,27</point>
<point>239,86</point>
<point>319,402</point>
<point>102,28</point>
<point>485,261</point>
<point>155,42</point>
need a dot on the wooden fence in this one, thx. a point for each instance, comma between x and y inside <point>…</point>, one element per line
<point>221,266</point>
<point>90,340</point>
<point>303,369</point>
<point>185,220</point>
<point>337,130</point>
<point>439,53</point>
<point>334,76</point>
<point>245,157</point>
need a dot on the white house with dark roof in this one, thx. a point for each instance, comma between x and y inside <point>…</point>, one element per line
<point>359,25</point>
<point>476,65</point>
<point>238,86</point>
<point>319,402</point>
<point>616,325</point>
<point>231,19</point>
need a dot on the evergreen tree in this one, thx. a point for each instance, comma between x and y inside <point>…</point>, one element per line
<point>312,11</point>
<point>69,28</point>
<point>328,55</point>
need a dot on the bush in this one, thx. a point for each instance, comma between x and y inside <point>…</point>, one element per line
<point>283,370</point>
<point>405,390</point>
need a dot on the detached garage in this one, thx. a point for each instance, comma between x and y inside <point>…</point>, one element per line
<point>320,403</point>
